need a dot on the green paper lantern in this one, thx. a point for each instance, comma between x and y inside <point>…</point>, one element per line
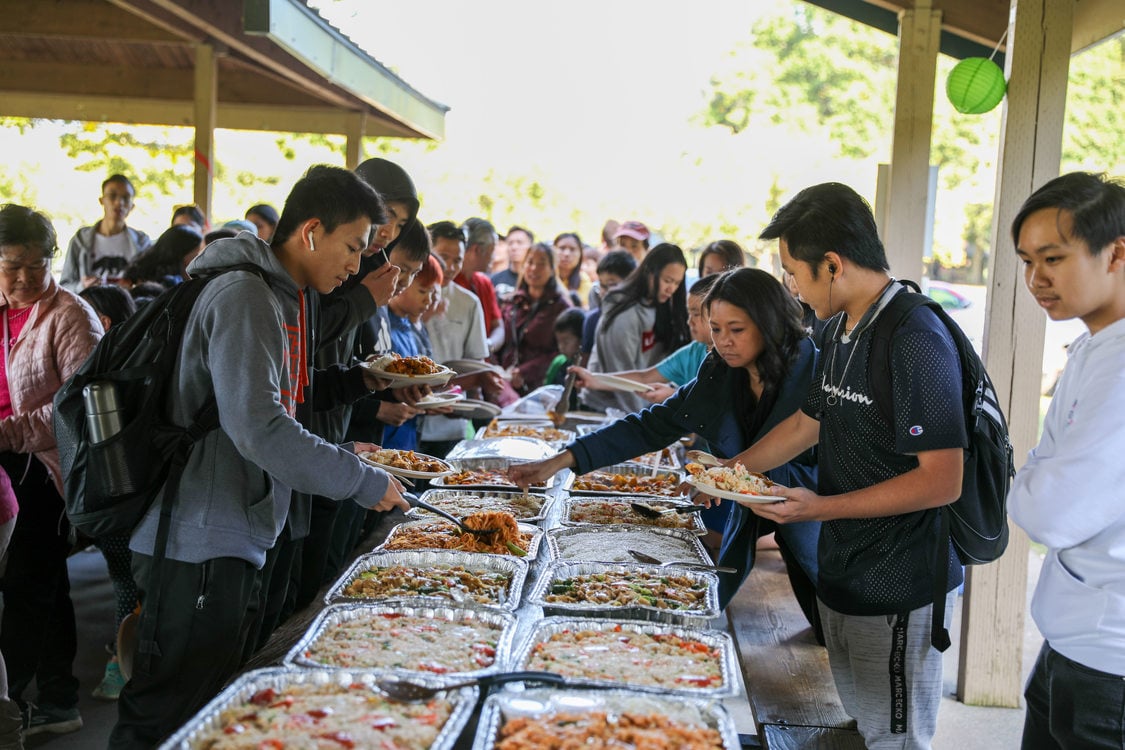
<point>975,85</point>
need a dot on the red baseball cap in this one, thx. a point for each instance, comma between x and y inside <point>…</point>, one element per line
<point>634,229</point>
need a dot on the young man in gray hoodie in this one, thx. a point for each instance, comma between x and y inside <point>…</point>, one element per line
<point>246,340</point>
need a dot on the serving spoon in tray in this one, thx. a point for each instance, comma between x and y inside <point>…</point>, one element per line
<point>411,498</point>
<point>401,689</point>
<point>643,509</point>
<point>650,560</point>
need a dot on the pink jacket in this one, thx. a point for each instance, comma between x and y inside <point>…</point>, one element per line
<point>58,336</point>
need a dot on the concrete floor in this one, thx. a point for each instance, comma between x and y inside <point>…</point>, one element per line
<point>960,727</point>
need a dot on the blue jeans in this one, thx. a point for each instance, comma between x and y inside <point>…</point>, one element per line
<point>1070,705</point>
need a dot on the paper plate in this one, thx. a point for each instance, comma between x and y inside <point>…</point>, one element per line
<point>471,408</point>
<point>399,380</point>
<point>440,399</point>
<point>738,497</point>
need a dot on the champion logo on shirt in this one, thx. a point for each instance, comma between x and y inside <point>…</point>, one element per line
<point>916,430</point>
<point>846,394</point>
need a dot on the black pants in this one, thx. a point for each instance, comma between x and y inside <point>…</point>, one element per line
<point>37,633</point>
<point>1070,705</point>
<point>315,550</point>
<point>202,623</point>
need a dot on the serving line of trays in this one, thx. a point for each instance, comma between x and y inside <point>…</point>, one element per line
<point>445,587</point>
<point>629,479</point>
<point>615,510</point>
<point>492,472</point>
<point>439,530</point>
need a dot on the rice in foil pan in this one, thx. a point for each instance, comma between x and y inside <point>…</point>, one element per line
<point>620,599</point>
<point>608,510</point>
<point>437,592</point>
<point>338,697</point>
<point>644,656</point>
<point>411,527</point>
<point>610,544</point>
<point>548,704</point>
<point>416,650</point>
<point>530,507</point>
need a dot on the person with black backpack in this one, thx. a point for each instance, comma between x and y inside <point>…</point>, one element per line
<point>880,483</point>
<point>245,342</point>
<point>1070,236</point>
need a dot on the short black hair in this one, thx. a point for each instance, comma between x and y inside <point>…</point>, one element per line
<point>618,262</point>
<point>518,228</point>
<point>703,285</point>
<point>829,217</point>
<point>414,240</point>
<point>446,230</point>
<point>571,320</point>
<point>221,233</point>
<point>119,178</point>
<point>164,261</point>
<point>20,225</point>
<point>111,301</point>
<point>1096,205</point>
<point>332,194</point>
<point>266,211</point>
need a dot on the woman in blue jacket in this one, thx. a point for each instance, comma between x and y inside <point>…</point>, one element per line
<point>757,375</point>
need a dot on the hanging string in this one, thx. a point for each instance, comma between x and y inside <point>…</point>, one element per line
<point>999,44</point>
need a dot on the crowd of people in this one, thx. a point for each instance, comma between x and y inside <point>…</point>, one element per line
<point>770,373</point>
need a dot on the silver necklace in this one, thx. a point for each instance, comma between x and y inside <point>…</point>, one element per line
<point>864,323</point>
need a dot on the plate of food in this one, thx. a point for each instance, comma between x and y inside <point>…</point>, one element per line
<point>732,483</point>
<point>407,371</point>
<point>629,479</point>
<point>407,463</point>
<point>444,398</point>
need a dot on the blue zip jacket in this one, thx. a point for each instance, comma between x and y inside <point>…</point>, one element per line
<point>700,407</point>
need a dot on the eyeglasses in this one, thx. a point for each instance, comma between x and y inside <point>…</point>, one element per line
<point>13,269</point>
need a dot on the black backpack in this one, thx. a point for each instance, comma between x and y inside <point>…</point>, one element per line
<point>977,522</point>
<point>110,485</point>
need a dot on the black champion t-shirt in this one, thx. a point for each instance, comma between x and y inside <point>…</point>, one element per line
<point>879,566</point>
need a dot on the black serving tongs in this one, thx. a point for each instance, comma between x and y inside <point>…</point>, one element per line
<point>402,689</point>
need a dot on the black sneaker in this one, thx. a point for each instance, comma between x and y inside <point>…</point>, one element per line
<point>50,719</point>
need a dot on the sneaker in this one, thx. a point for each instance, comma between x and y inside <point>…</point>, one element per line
<point>50,719</point>
<point>111,684</point>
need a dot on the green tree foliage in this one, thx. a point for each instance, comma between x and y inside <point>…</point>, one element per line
<point>1094,135</point>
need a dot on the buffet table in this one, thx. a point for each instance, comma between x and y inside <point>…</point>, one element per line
<point>726,709</point>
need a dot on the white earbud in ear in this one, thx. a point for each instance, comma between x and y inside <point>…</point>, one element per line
<point>312,246</point>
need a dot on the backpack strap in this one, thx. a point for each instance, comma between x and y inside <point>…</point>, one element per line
<point>879,380</point>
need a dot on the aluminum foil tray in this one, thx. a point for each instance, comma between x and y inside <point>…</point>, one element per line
<point>527,528</point>
<point>558,571</point>
<point>443,497</point>
<point>511,448</point>
<point>539,702</point>
<point>418,559</point>
<point>530,425</point>
<point>613,541</point>
<point>340,613</point>
<point>278,678</point>
<point>668,458</point>
<point>631,469</point>
<point>500,464</point>
<point>693,520</point>
<point>714,639</point>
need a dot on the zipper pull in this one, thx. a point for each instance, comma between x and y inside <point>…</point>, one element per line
<point>200,601</point>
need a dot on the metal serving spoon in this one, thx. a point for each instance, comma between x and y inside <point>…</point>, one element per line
<point>703,457</point>
<point>650,512</point>
<point>411,498</point>
<point>411,692</point>
<point>649,559</point>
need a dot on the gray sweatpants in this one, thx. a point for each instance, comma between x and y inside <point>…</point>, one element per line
<point>887,674</point>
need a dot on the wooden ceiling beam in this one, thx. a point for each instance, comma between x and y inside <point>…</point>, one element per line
<point>982,21</point>
<point>80,19</point>
<point>171,112</point>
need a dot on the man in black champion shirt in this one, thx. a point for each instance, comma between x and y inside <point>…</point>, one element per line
<point>879,482</point>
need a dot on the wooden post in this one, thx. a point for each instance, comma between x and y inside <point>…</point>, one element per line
<point>1037,62</point>
<point>919,35</point>
<point>206,95</point>
<point>357,127</point>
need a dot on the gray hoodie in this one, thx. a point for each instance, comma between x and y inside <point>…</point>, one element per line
<point>244,337</point>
